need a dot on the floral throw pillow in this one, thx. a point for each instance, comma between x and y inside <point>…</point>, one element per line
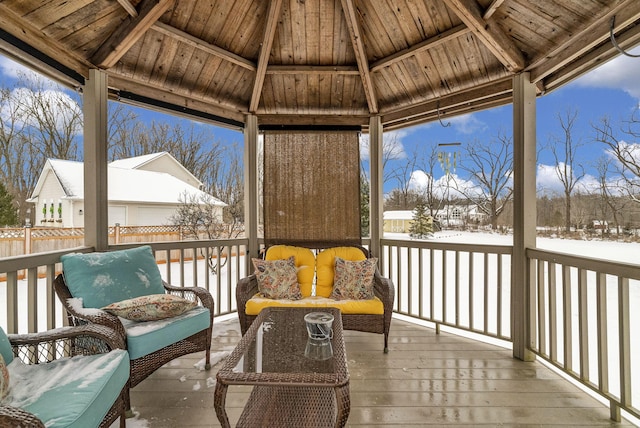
<point>277,279</point>
<point>150,308</point>
<point>353,280</point>
<point>4,378</point>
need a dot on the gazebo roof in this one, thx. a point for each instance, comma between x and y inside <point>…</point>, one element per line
<point>317,62</point>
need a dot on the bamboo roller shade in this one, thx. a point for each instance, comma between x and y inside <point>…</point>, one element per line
<point>311,187</point>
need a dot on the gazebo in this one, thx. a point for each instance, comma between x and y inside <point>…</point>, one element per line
<point>324,65</point>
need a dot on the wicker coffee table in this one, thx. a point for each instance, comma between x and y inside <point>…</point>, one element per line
<point>289,388</point>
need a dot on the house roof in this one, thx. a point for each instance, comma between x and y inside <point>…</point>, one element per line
<point>138,162</point>
<point>124,185</point>
<point>318,62</point>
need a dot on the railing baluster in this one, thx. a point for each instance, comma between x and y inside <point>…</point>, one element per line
<point>485,295</point>
<point>568,318</point>
<point>32,299</point>
<point>553,322</point>
<point>602,341</point>
<point>12,302</point>
<point>624,332</point>
<point>542,329</point>
<point>583,320</point>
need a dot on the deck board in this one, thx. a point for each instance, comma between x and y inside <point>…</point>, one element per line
<point>425,380</point>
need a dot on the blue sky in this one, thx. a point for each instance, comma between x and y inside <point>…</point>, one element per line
<point>612,90</point>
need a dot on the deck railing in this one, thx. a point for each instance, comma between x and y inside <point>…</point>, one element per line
<point>457,285</point>
<point>581,317</point>
<point>583,321</point>
<point>28,301</point>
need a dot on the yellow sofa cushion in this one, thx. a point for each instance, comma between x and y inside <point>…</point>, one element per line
<point>305,262</point>
<point>372,307</point>
<point>325,266</point>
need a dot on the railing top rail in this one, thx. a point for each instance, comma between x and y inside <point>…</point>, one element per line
<point>450,246</point>
<point>176,245</point>
<point>625,270</point>
<point>29,261</point>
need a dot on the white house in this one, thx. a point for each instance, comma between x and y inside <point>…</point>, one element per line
<point>144,190</point>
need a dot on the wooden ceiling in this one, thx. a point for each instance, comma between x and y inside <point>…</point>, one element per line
<point>317,62</point>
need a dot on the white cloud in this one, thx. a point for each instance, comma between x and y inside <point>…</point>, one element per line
<point>391,145</point>
<point>467,124</point>
<point>12,69</point>
<point>453,185</point>
<point>619,73</point>
<point>23,101</point>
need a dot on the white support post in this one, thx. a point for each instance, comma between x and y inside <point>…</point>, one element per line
<point>376,185</point>
<point>96,201</point>
<point>524,213</point>
<point>251,208</point>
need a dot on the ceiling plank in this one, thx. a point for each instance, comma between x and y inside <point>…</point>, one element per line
<point>275,9</point>
<point>424,45</point>
<point>190,40</point>
<point>490,33</point>
<point>125,36</point>
<point>492,9</point>
<point>130,8</point>
<point>313,69</point>
<point>363,64</point>
<point>585,40</point>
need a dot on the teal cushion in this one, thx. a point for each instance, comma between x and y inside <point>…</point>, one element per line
<point>104,278</point>
<point>146,337</point>
<point>70,392</point>
<point>5,347</point>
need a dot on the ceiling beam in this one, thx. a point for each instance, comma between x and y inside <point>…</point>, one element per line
<point>585,40</point>
<point>130,8</point>
<point>314,69</point>
<point>361,57</point>
<point>275,9</point>
<point>495,4</point>
<point>129,32</point>
<point>197,43</point>
<point>490,33</point>
<point>424,45</point>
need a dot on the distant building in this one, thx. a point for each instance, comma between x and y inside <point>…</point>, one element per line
<point>143,190</point>
<point>399,221</point>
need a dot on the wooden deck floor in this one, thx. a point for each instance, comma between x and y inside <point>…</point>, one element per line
<point>425,380</point>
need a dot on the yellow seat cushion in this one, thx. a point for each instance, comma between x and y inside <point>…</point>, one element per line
<point>325,266</point>
<point>305,263</point>
<point>372,307</point>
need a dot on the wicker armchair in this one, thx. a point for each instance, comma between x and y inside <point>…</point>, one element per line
<point>42,348</point>
<point>147,364</point>
<point>371,323</point>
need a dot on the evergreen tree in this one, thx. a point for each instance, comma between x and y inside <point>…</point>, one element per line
<point>364,205</point>
<point>422,225</point>
<point>8,212</point>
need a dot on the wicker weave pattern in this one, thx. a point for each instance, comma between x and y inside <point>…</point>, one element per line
<point>383,289</point>
<point>40,348</point>
<point>290,392</point>
<point>144,366</point>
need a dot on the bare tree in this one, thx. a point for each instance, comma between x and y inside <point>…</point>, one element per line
<point>433,198</point>
<point>490,166</point>
<point>402,174</point>
<point>565,150</point>
<point>626,153</point>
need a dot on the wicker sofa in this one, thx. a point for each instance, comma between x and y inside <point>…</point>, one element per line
<point>71,377</point>
<point>150,344</point>
<point>359,316</point>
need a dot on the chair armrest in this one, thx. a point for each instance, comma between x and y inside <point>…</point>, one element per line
<point>65,341</point>
<point>193,293</point>
<point>384,289</point>
<point>93,316</point>
<point>15,417</point>
<point>246,288</point>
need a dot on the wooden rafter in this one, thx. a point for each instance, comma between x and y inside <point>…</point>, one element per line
<point>427,44</point>
<point>361,56</point>
<point>197,43</point>
<point>585,40</point>
<point>490,33</point>
<point>492,9</point>
<point>313,69</point>
<point>130,8</point>
<point>271,23</point>
<point>121,40</point>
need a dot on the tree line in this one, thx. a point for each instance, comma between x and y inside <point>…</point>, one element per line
<point>40,120</point>
<point>612,195</point>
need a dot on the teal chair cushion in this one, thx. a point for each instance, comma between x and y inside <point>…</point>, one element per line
<point>104,278</point>
<point>70,392</point>
<point>5,347</point>
<point>146,337</point>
